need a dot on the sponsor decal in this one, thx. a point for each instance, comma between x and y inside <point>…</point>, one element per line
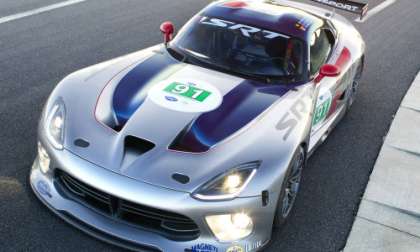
<point>186,95</point>
<point>43,188</point>
<point>300,26</point>
<point>253,246</point>
<point>171,98</point>
<point>303,24</point>
<point>203,247</point>
<point>322,107</point>
<point>347,5</point>
<point>235,249</point>
<point>338,5</point>
<point>245,30</point>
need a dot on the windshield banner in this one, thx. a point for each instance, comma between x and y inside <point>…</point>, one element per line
<point>347,5</point>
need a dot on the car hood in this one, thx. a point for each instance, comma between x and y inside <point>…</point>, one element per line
<point>148,116</point>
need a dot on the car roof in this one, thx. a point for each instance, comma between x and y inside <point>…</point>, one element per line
<point>266,14</point>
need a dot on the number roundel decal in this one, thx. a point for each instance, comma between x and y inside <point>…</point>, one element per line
<point>322,108</point>
<point>186,95</point>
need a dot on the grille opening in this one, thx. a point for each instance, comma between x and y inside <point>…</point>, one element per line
<point>107,237</point>
<point>168,224</point>
<point>93,197</point>
<point>137,145</point>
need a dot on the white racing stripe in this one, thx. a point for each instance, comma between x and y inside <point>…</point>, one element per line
<point>39,10</point>
<point>376,10</point>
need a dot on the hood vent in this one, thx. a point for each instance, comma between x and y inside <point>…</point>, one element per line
<point>135,147</point>
<point>181,178</point>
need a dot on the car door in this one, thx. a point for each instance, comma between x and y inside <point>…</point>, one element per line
<point>330,94</point>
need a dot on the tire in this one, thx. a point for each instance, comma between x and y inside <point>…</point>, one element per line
<point>290,188</point>
<point>355,85</point>
<point>352,95</point>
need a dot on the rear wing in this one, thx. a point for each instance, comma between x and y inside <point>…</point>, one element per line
<point>347,5</point>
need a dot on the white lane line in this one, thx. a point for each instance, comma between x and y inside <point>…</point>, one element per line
<point>39,10</point>
<point>376,10</point>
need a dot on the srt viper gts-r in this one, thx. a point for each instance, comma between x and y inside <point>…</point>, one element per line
<point>198,144</point>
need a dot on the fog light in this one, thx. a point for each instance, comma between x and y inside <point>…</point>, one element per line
<point>241,220</point>
<point>43,159</point>
<point>230,227</point>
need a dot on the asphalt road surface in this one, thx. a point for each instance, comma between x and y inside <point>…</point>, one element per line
<point>37,51</point>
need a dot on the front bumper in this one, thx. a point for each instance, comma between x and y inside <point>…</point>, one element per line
<point>132,237</point>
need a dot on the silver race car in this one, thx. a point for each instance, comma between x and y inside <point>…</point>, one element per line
<point>198,144</point>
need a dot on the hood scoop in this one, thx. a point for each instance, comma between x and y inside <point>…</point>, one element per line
<point>133,148</point>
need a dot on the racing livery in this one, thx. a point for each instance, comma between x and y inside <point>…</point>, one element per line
<point>198,144</point>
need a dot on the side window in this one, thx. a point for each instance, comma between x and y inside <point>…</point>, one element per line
<point>321,45</point>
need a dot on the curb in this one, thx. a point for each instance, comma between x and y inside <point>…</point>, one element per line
<point>388,218</point>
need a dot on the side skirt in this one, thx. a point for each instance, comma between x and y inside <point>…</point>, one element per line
<point>318,137</point>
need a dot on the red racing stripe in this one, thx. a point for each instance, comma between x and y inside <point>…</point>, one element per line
<point>334,104</point>
<point>235,4</point>
<point>341,62</point>
<point>344,58</point>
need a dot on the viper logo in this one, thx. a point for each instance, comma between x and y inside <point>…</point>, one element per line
<point>246,30</point>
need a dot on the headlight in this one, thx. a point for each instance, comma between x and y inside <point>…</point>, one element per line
<point>230,227</point>
<point>228,185</point>
<point>54,125</point>
<point>43,159</point>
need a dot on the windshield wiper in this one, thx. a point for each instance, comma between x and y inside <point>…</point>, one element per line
<point>178,54</point>
<point>251,75</point>
<point>265,77</point>
<point>188,57</point>
<point>197,60</point>
<point>233,70</point>
<point>226,68</point>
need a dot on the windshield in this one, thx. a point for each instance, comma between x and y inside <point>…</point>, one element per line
<point>240,49</point>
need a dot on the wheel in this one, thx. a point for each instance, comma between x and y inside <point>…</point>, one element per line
<point>353,92</point>
<point>355,85</point>
<point>290,188</point>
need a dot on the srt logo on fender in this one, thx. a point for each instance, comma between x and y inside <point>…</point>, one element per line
<point>291,119</point>
<point>246,30</point>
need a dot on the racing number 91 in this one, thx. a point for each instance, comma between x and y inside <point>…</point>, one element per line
<point>321,112</point>
<point>188,91</point>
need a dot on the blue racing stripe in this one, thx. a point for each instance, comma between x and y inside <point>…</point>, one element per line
<point>129,94</point>
<point>239,107</point>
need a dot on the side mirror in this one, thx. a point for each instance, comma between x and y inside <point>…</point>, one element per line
<point>167,28</point>
<point>328,70</point>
